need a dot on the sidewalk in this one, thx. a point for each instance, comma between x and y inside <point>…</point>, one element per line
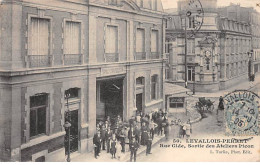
<point>106,157</point>
<point>242,86</point>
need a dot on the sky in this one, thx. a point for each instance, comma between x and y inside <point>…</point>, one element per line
<point>244,3</point>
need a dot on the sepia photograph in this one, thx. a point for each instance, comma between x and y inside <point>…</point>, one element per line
<point>129,80</point>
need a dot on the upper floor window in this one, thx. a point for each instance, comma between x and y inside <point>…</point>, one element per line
<point>154,41</point>
<point>39,36</point>
<point>111,43</point>
<point>72,43</point>
<point>38,112</point>
<point>153,4</point>
<point>191,47</point>
<point>72,38</point>
<point>140,40</point>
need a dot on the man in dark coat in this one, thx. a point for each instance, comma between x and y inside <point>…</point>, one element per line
<point>148,145</point>
<point>122,136</point>
<point>108,138</point>
<point>160,126</point>
<point>137,133</point>
<point>97,144</point>
<point>144,134</point>
<point>133,148</point>
<point>131,133</point>
<point>103,137</point>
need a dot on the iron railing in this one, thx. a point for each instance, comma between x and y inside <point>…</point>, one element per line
<point>111,57</point>
<point>72,59</point>
<point>140,56</point>
<point>37,61</point>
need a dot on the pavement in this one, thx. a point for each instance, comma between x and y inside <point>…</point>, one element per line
<point>201,127</point>
<point>106,157</point>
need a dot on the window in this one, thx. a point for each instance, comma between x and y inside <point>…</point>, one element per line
<point>140,40</point>
<point>38,108</point>
<point>154,40</point>
<point>73,92</point>
<point>153,4</point>
<point>39,36</point>
<point>191,73</point>
<point>140,81</point>
<point>111,39</point>
<point>177,102</point>
<point>191,47</point>
<point>72,38</point>
<point>191,22</point>
<point>154,87</point>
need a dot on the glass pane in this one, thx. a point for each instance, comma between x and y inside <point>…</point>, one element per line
<point>33,130</point>
<point>41,120</point>
<point>74,92</point>
<point>153,90</point>
<point>38,100</point>
<point>179,105</point>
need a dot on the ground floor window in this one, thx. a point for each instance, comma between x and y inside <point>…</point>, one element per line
<point>177,102</point>
<point>191,73</point>
<point>38,108</point>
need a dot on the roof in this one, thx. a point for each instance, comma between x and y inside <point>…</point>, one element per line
<point>170,89</point>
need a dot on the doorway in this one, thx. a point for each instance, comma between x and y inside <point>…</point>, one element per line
<point>109,98</point>
<point>74,134</point>
<point>139,102</point>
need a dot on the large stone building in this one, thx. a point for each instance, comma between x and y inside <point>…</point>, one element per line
<point>217,55</point>
<point>107,54</point>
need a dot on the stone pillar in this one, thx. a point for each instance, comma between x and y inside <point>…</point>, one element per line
<point>11,33</point>
<point>91,106</point>
<point>92,39</point>
<point>16,124</point>
<point>130,44</point>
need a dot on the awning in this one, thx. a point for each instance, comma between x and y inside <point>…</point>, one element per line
<point>172,89</point>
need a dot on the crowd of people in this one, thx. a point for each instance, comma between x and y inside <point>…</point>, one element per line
<point>114,135</point>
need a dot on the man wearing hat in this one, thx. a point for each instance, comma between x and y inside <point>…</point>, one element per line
<point>122,135</point>
<point>97,144</point>
<point>103,137</point>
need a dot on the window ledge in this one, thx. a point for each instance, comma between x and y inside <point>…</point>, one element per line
<point>41,139</point>
<point>153,102</point>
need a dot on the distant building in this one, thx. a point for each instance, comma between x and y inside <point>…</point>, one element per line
<point>217,55</point>
<point>107,54</point>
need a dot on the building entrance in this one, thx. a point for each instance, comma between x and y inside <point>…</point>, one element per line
<point>109,98</point>
<point>73,133</point>
<point>139,102</point>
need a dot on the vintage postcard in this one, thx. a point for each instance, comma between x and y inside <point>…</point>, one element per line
<point>129,80</point>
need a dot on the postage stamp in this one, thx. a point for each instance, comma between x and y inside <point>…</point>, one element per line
<point>241,113</point>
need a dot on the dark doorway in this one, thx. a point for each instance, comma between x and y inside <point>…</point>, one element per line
<point>139,102</point>
<point>40,159</point>
<point>109,98</point>
<point>73,133</point>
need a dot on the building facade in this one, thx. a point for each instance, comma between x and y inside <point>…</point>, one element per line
<point>217,54</point>
<point>106,54</point>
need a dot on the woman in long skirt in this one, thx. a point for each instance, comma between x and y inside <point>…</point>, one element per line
<point>181,131</point>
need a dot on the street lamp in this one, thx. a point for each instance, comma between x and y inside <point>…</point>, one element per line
<point>250,54</point>
<point>67,125</point>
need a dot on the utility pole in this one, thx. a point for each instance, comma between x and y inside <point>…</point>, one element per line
<point>186,82</point>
